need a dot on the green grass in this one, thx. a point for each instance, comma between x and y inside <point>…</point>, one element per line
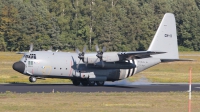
<point>164,72</point>
<point>99,102</point>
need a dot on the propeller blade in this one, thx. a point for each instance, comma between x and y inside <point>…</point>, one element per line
<point>95,61</point>
<point>78,64</point>
<point>86,62</point>
<point>84,49</point>
<point>102,63</point>
<point>77,51</point>
<point>104,49</point>
<point>81,55</point>
<point>31,47</point>
<point>97,48</point>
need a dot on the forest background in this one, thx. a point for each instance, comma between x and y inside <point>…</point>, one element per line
<point>120,25</point>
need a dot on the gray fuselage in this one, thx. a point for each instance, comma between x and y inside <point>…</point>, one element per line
<point>45,64</point>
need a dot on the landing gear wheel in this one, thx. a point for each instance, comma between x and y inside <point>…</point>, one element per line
<point>84,82</point>
<point>32,79</point>
<point>100,83</point>
<point>76,82</point>
<point>91,83</point>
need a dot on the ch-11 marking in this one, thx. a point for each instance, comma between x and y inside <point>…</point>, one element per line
<point>168,35</point>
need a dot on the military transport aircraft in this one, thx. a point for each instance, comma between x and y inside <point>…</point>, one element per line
<point>96,68</point>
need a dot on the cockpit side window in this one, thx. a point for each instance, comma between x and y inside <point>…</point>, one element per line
<point>34,56</point>
<point>31,56</point>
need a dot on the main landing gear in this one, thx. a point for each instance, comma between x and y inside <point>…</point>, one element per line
<point>86,83</point>
<point>76,82</point>
<point>32,79</point>
<point>100,83</point>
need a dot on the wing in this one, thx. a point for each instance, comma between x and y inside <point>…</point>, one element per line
<point>137,54</point>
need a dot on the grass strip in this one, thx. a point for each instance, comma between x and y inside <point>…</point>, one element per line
<point>99,102</point>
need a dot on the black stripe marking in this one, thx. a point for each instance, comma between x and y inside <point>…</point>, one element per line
<point>128,73</point>
<point>128,70</point>
<point>133,68</point>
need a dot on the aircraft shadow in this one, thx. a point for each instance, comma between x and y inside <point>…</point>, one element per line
<point>29,84</point>
<point>119,86</point>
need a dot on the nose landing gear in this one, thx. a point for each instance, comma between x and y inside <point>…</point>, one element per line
<point>32,79</point>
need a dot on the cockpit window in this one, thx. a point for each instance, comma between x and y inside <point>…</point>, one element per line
<point>31,56</point>
<point>34,56</point>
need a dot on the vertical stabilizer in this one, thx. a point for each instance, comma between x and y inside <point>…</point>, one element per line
<point>165,39</point>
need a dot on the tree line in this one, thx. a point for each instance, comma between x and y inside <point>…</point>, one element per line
<point>120,25</point>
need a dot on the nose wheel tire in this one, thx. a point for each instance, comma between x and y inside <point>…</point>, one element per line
<point>100,83</point>
<point>76,82</point>
<point>32,79</point>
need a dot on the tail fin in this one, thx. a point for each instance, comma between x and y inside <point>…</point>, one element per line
<point>165,39</point>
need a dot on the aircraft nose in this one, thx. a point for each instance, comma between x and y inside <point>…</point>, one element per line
<point>19,66</point>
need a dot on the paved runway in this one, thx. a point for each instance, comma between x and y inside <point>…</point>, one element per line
<point>47,88</point>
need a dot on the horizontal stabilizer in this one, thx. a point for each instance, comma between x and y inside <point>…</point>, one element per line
<point>172,60</point>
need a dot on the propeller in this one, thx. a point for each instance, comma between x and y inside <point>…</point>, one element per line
<point>100,55</point>
<point>81,55</point>
<point>31,47</point>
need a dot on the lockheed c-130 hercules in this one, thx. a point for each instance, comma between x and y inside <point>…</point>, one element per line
<point>96,68</point>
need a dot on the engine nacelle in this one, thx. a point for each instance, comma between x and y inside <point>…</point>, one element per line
<point>110,57</point>
<point>107,57</point>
